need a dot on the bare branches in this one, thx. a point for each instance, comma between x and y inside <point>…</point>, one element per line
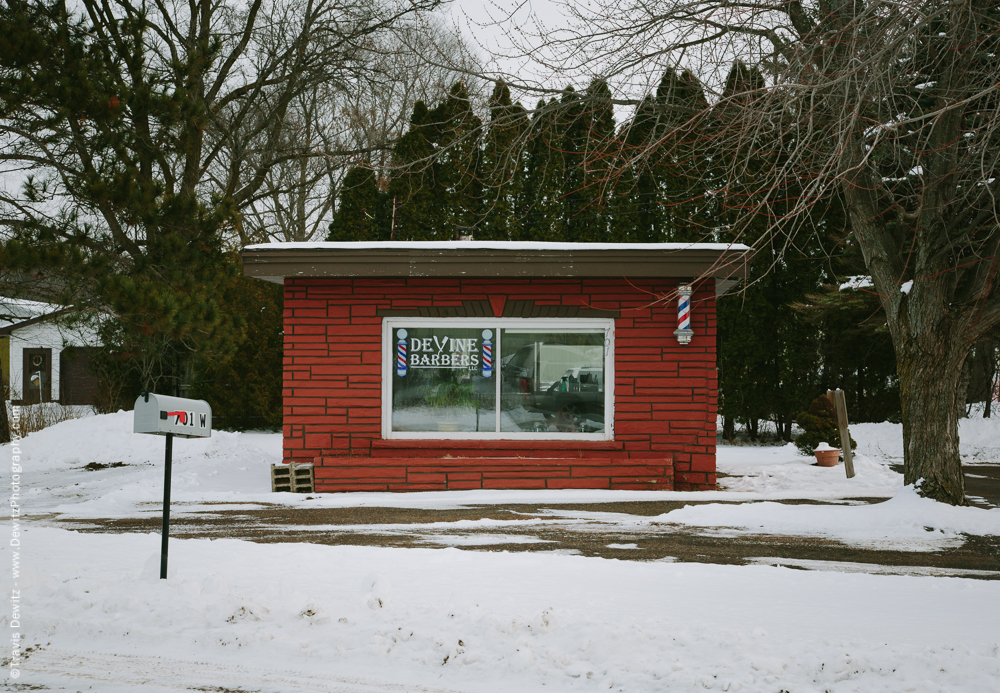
<point>200,97</point>
<point>892,106</point>
<point>287,182</point>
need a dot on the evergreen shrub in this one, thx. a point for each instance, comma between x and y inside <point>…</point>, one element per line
<point>819,425</point>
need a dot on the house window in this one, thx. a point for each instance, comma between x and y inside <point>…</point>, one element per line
<point>498,378</point>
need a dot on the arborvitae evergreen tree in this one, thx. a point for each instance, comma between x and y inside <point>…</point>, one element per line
<point>538,206</point>
<point>457,164</point>
<point>790,334</point>
<point>244,387</point>
<point>595,173</point>
<point>416,189</point>
<point>637,212</point>
<point>570,140</point>
<point>364,211</point>
<point>501,168</point>
<point>437,189</point>
<point>769,354</point>
<point>856,352</point>
<point>683,168</point>
<point>742,80</point>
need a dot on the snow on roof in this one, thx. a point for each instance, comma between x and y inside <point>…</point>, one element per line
<point>18,310</point>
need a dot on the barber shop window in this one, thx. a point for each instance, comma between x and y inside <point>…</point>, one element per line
<point>499,378</point>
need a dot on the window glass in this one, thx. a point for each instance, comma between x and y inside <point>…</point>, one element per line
<point>552,381</point>
<point>499,378</point>
<point>442,379</point>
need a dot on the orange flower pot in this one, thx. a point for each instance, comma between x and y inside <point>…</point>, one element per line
<point>827,458</point>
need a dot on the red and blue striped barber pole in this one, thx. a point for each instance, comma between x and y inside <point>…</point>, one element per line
<point>487,353</point>
<point>684,333</point>
<point>401,353</point>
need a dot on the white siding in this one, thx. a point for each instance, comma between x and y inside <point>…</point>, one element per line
<point>44,335</point>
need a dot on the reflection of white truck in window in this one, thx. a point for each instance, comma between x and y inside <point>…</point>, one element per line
<point>564,383</point>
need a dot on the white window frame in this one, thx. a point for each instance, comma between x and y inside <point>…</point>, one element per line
<point>389,325</point>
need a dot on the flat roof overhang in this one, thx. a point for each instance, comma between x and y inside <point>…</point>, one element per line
<point>274,262</point>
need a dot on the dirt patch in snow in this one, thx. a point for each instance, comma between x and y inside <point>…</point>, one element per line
<point>600,529</point>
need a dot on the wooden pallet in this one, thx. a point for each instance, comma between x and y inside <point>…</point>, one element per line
<point>292,478</point>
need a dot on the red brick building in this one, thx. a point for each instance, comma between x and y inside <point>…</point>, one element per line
<point>432,366</point>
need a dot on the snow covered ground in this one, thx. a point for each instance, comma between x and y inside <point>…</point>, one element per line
<point>293,617</point>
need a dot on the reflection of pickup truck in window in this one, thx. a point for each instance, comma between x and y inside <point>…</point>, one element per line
<point>564,383</point>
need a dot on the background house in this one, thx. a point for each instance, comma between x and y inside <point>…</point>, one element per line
<point>44,357</point>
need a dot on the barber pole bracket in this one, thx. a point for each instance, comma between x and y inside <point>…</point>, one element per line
<point>684,333</point>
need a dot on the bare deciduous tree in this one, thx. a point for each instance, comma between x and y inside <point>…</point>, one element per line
<point>333,128</point>
<point>201,99</point>
<point>136,133</point>
<point>893,105</point>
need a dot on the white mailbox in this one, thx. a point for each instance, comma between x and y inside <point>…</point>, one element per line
<point>160,415</point>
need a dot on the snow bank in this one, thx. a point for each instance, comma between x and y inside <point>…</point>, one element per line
<point>905,522</point>
<point>298,618</point>
<point>226,467</point>
<point>266,615</point>
<point>979,440</point>
<point>235,468</point>
<point>780,472</point>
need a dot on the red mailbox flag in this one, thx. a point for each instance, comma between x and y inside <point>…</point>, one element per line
<point>181,416</point>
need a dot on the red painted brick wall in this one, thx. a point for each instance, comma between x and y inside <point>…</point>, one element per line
<point>665,394</point>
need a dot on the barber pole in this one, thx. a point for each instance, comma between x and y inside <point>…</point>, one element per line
<point>684,333</point>
<point>401,352</point>
<point>487,353</point>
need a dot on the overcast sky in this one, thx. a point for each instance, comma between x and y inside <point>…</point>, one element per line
<point>503,31</point>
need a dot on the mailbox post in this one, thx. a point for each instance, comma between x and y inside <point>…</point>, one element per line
<point>161,415</point>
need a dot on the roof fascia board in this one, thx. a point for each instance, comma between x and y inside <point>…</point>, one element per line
<point>277,263</point>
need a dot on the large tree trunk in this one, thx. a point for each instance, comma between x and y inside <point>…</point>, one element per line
<point>929,374</point>
<point>728,428</point>
<point>932,340</point>
<point>962,390</point>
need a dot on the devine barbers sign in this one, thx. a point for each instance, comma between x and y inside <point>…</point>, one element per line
<point>444,351</point>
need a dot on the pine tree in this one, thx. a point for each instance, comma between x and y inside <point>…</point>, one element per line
<point>134,241</point>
